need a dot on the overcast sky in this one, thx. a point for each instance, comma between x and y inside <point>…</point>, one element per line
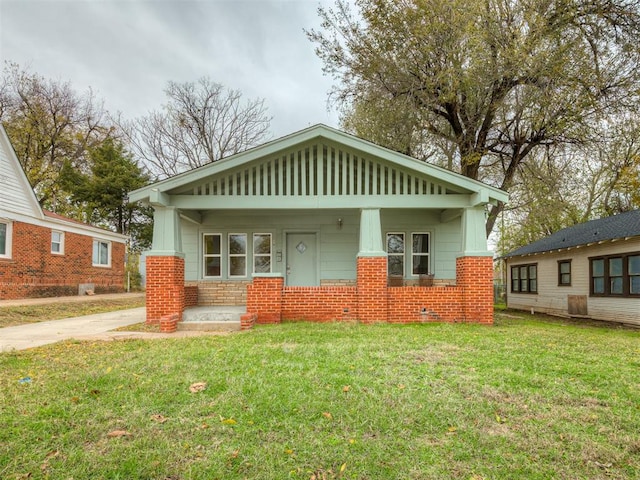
<point>127,51</point>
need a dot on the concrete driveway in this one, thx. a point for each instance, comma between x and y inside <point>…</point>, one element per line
<point>31,335</point>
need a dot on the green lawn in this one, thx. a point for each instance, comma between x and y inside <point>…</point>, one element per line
<point>528,398</point>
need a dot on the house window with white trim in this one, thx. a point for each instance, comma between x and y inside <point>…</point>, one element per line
<point>57,242</point>
<point>262,253</point>
<point>101,253</point>
<point>419,253</point>
<point>237,255</point>
<point>395,253</point>
<point>5,239</point>
<point>212,250</point>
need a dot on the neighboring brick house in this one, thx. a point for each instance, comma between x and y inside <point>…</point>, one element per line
<point>43,254</point>
<point>321,225</point>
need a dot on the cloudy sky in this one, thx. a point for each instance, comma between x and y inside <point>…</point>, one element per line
<point>127,51</point>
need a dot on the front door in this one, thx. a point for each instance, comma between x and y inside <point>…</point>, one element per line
<point>302,262</point>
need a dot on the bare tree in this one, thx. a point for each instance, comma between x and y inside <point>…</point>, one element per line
<point>202,122</point>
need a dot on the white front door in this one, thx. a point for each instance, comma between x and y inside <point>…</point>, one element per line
<point>302,260</point>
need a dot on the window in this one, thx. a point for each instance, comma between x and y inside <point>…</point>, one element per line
<point>212,254</point>
<point>262,253</point>
<point>616,275</point>
<point>395,254</point>
<point>564,273</point>
<point>57,242</point>
<point>101,253</point>
<point>5,239</point>
<point>420,254</point>
<point>524,278</point>
<point>237,255</point>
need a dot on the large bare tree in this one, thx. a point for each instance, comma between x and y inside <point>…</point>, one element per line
<point>202,122</point>
<point>495,78</point>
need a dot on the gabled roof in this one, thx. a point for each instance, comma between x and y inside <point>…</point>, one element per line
<point>192,179</point>
<point>624,225</point>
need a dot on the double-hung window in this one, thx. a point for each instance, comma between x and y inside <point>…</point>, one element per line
<point>564,273</point>
<point>395,254</point>
<point>420,253</point>
<point>615,275</point>
<point>212,251</point>
<point>5,239</point>
<point>524,278</point>
<point>57,242</point>
<point>237,255</point>
<point>262,253</point>
<point>101,253</point>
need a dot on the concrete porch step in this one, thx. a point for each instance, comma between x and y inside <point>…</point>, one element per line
<point>212,318</point>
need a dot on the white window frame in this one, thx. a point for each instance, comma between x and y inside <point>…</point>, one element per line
<point>237,255</point>
<point>60,243</point>
<point>211,255</point>
<point>413,254</point>
<point>253,250</point>
<point>98,241</point>
<point>402,255</point>
<point>9,237</point>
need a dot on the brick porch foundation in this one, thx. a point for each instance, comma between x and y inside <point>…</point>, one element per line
<point>165,287</point>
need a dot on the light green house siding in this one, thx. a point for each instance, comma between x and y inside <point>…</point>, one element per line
<point>337,233</point>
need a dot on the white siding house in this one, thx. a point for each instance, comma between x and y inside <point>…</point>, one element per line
<point>591,270</point>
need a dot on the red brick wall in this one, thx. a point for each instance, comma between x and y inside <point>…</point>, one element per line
<point>33,271</point>
<point>425,304</point>
<point>165,287</point>
<point>190,295</point>
<point>319,304</point>
<point>372,289</point>
<point>475,276</point>
<point>264,297</point>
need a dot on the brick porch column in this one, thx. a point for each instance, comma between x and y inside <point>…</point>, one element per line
<point>165,287</point>
<point>372,289</point>
<point>475,276</point>
<point>264,297</point>
<point>371,269</point>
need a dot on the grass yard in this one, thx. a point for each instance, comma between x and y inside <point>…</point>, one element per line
<point>20,315</point>
<point>528,398</point>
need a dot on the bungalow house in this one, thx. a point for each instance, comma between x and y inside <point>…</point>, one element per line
<point>321,225</point>
<point>590,270</point>
<point>43,254</point>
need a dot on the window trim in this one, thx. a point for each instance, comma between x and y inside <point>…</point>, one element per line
<point>401,255</point>
<point>626,277</point>
<point>108,244</point>
<point>211,255</point>
<point>8,240</point>
<point>428,254</point>
<point>237,255</point>
<point>61,243</point>
<point>560,282</point>
<point>529,290</point>
<point>254,254</point>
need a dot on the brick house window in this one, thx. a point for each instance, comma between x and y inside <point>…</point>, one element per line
<point>5,239</point>
<point>524,278</point>
<point>212,248</point>
<point>564,273</point>
<point>57,242</point>
<point>237,255</point>
<point>419,253</point>
<point>262,253</point>
<point>395,254</point>
<point>615,275</point>
<point>101,253</point>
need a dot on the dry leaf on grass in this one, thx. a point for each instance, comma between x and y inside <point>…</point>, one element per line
<point>159,418</point>
<point>346,388</point>
<point>197,387</point>
<point>118,434</point>
<point>327,415</point>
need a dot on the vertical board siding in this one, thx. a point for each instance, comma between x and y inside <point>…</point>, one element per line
<point>317,170</point>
